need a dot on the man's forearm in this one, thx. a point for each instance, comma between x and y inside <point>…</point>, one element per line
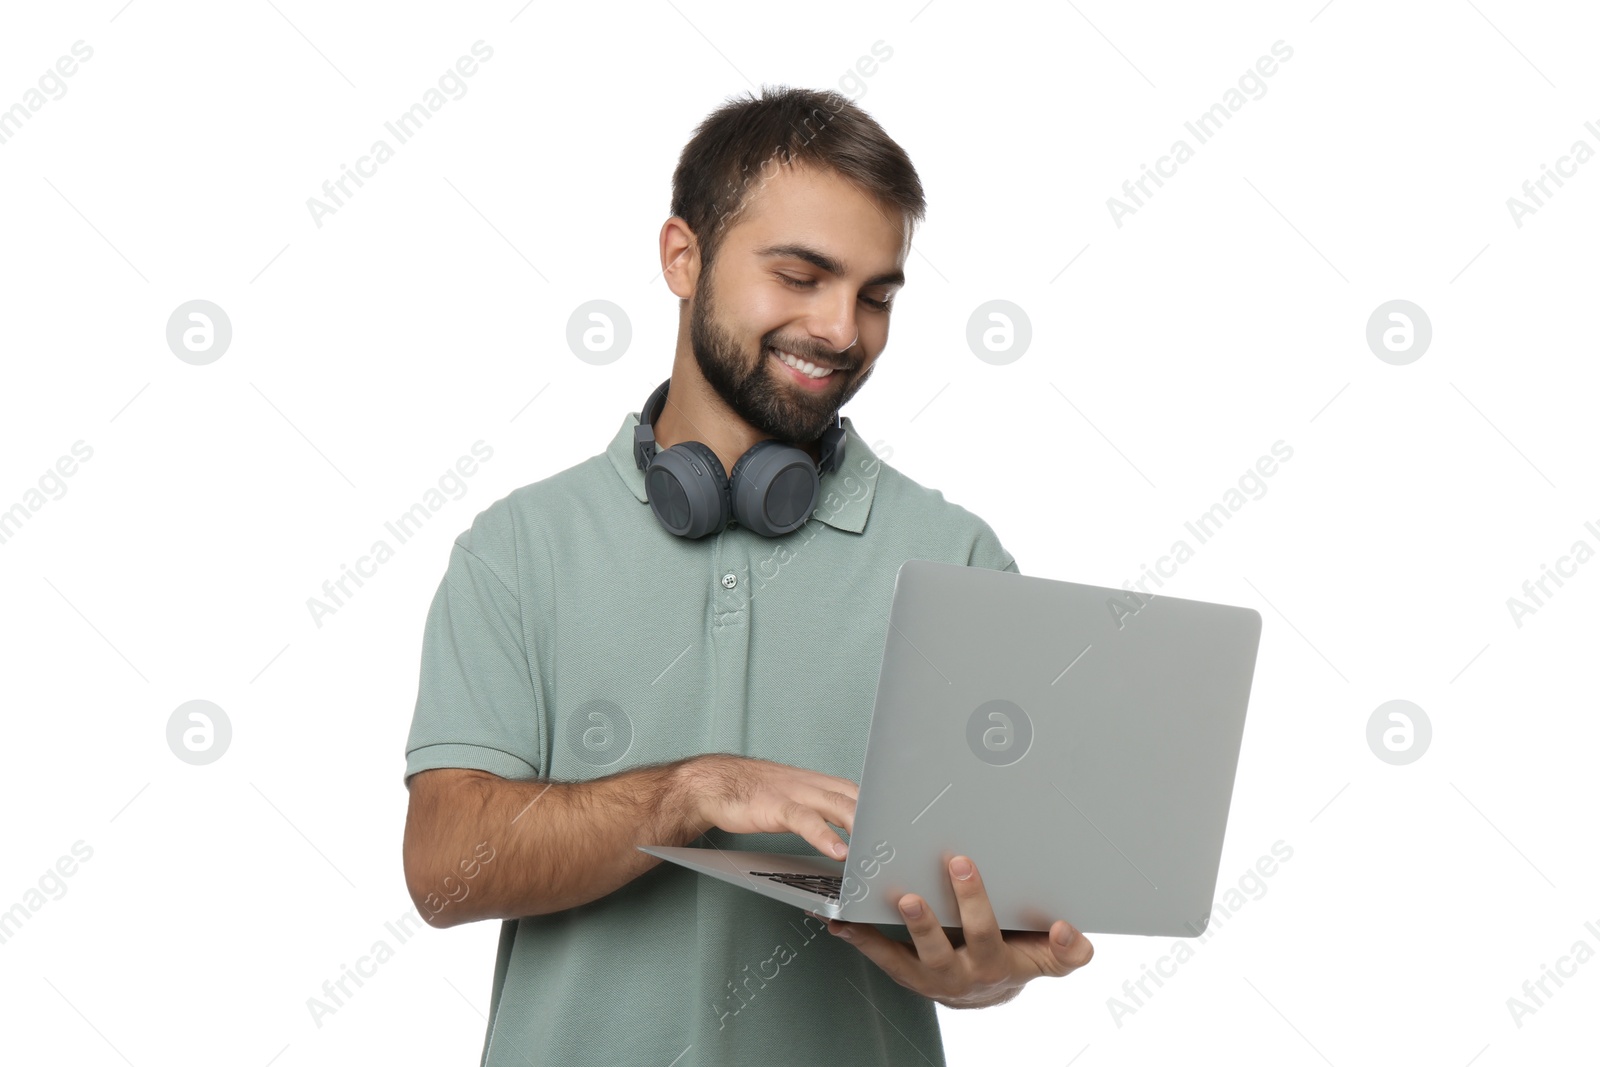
<point>503,849</point>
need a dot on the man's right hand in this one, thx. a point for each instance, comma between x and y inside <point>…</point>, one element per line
<point>755,796</point>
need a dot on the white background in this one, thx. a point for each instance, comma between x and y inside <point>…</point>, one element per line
<point>1228,313</point>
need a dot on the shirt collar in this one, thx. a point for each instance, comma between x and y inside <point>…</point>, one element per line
<point>844,496</point>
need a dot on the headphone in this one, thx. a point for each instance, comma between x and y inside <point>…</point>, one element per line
<point>772,489</point>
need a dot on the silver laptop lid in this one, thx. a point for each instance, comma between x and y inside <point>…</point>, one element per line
<point>1075,739</point>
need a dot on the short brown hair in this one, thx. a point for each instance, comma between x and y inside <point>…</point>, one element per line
<point>733,148</point>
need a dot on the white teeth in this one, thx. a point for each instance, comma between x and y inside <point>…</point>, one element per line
<point>806,367</point>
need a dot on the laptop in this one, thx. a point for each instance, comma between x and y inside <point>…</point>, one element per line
<point>1078,742</point>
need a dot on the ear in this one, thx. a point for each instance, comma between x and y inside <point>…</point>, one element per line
<point>680,257</point>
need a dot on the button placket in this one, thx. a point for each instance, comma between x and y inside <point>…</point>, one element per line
<point>728,724</point>
<point>730,575</point>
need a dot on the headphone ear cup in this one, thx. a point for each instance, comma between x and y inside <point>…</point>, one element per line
<point>773,488</point>
<point>687,490</point>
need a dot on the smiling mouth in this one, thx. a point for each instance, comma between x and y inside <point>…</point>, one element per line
<point>814,371</point>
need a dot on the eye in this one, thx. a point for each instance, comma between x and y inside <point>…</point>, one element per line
<point>808,283</point>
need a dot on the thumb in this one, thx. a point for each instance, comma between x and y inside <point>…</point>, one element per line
<point>1069,949</point>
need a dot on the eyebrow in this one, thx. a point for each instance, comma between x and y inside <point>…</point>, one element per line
<point>823,261</point>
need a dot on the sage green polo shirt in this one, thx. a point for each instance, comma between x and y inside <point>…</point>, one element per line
<point>571,638</point>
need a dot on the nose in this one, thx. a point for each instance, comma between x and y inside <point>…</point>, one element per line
<point>834,332</point>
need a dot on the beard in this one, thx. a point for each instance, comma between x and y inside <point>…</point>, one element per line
<point>756,391</point>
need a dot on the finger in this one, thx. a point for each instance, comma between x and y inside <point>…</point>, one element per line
<point>833,783</point>
<point>934,950</point>
<point>1048,955</point>
<point>895,958</point>
<point>808,824</point>
<point>984,944</point>
<point>838,808</point>
<point>1069,948</point>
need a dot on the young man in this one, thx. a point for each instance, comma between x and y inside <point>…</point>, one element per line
<point>596,675</point>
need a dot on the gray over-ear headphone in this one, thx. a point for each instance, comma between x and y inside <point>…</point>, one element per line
<point>772,489</point>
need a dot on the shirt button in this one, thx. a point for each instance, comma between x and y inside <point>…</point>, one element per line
<point>729,580</point>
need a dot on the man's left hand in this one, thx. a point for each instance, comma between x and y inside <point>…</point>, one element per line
<point>989,968</point>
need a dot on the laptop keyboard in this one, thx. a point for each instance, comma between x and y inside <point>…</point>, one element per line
<point>824,885</point>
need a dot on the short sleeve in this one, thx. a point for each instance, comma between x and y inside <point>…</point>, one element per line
<point>477,699</point>
<point>988,552</point>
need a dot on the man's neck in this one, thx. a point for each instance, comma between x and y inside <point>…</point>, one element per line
<point>694,412</point>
